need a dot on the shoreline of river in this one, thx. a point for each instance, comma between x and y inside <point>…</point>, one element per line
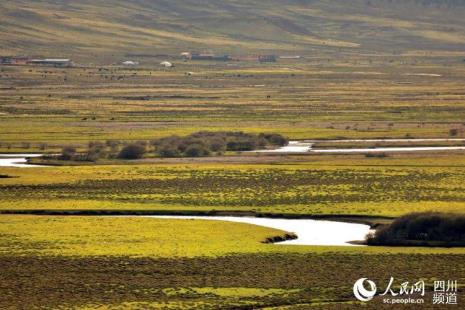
<point>295,147</point>
<point>372,221</point>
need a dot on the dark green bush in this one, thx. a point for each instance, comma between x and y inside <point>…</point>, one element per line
<point>168,151</point>
<point>217,145</point>
<point>196,150</point>
<point>275,139</point>
<point>376,155</point>
<point>205,143</point>
<point>241,145</point>
<point>453,132</point>
<point>95,151</point>
<point>202,143</point>
<point>67,153</point>
<point>132,151</point>
<point>438,229</point>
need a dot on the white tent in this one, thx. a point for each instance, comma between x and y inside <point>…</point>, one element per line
<point>130,63</point>
<point>166,64</point>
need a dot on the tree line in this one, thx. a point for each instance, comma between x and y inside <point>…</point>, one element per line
<point>199,144</point>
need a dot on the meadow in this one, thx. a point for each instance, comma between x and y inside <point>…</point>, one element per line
<point>322,185</point>
<point>143,263</point>
<point>120,263</point>
<point>43,109</point>
<point>357,69</point>
<point>95,262</point>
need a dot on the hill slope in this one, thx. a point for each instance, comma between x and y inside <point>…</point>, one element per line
<point>91,29</point>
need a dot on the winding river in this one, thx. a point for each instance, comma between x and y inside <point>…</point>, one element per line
<point>309,232</point>
<point>17,160</point>
<point>306,146</point>
<point>294,147</point>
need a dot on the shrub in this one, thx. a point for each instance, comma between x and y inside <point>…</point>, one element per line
<point>95,151</point>
<point>96,144</point>
<point>242,145</point>
<point>376,155</point>
<point>196,150</point>
<point>204,143</point>
<point>171,140</point>
<point>43,146</point>
<point>132,151</point>
<point>114,146</point>
<point>168,151</point>
<point>217,145</point>
<point>67,153</point>
<point>453,132</point>
<point>422,229</point>
<point>94,154</point>
<point>142,143</point>
<point>276,139</point>
<point>112,143</point>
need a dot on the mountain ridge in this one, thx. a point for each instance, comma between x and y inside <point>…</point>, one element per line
<point>111,28</point>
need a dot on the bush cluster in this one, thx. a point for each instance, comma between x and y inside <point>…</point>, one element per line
<point>99,150</point>
<point>132,151</point>
<point>438,229</point>
<point>198,144</point>
<point>205,143</point>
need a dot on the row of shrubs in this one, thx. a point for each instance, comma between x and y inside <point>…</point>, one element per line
<point>195,145</point>
<point>425,229</point>
<point>98,150</point>
<point>205,143</point>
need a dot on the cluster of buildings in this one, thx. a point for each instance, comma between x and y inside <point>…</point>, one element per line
<point>214,57</point>
<point>64,63</point>
<point>10,60</point>
<point>23,60</point>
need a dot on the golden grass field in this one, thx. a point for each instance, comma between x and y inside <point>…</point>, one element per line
<point>121,263</point>
<point>97,262</point>
<point>142,263</point>
<point>130,236</point>
<point>323,185</point>
<point>369,69</point>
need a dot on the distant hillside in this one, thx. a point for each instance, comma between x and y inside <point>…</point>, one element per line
<point>87,29</point>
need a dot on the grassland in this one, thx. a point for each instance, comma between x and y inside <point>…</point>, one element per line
<point>142,263</point>
<point>96,263</point>
<point>138,237</point>
<point>42,109</point>
<point>129,236</point>
<point>323,185</point>
<point>369,69</point>
<point>297,281</point>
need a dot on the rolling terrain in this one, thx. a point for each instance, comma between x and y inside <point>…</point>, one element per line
<point>107,29</point>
